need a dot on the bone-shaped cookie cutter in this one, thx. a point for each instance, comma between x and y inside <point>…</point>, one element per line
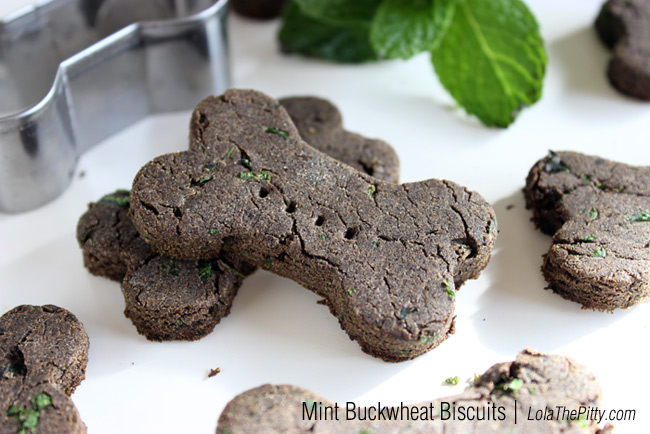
<point>73,72</point>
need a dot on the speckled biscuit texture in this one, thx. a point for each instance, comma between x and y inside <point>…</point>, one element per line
<point>533,383</point>
<point>386,258</point>
<point>165,298</point>
<point>598,212</point>
<point>624,26</point>
<point>319,123</point>
<point>43,358</point>
<point>169,299</point>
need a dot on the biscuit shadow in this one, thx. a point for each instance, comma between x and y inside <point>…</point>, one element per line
<point>580,61</point>
<point>516,311</point>
<point>278,333</point>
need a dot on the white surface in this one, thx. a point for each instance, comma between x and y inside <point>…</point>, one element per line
<point>276,332</point>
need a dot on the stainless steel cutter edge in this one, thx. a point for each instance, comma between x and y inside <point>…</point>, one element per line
<point>145,68</point>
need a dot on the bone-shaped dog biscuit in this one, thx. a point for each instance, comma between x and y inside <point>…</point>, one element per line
<point>386,258</point>
<point>598,212</point>
<point>169,299</point>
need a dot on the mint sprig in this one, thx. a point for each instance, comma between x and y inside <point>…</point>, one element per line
<point>340,11</point>
<point>488,54</point>
<point>491,59</point>
<point>402,29</point>
<point>340,42</point>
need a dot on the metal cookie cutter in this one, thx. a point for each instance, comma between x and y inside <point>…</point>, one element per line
<point>73,72</point>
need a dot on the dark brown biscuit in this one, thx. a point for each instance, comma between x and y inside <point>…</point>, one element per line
<point>387,258</point>
<point>109,242</point>
<point>184,300</point>
<point>43,358</point>
<point>533,383</point>
<point>43,344</point>
<point>598,212</point>
<point>624,26</point>
<point>319,124</point>
<point>166,299</point>
<point>174,299</point>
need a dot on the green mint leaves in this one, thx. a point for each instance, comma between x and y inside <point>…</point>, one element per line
<point>488,54</point>
<point>491,59</point>
<point>403,29</point>
<point>340,11</point>
<point>339,42</point>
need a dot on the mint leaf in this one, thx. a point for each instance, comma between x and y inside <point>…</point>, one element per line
<point>348,43</point>
<point>339,11</point>
<point>491,58</point>
<point>403,29</point>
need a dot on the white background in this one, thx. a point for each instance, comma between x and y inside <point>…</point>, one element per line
<point>276,332</point>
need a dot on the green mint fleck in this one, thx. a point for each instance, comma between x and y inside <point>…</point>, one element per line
<point>512,386</point>
<point>120,198</point>
<point>588,239</point>
<point>41,401</point>
<point>532,390</point>
<point>365,431</point>
<point>169,171</point>
<point>205,271</point>
<point>280,133</point>
<point>581,421</point>
<point>86,235</point>
<point>406,312</point>
<point>324,238</point>
<point>228,154</point>
<point>264,176</point>
<point>171,268</point>
<point>448,289</point>
<point>554,164</point>
<point>585,177</point>
<point>599,253</point>
<point>643,216</point>
<point>375,244</point>
<point>424,339</point>
<point>371,190</point>
<point>245,161</point>
<point>351,291</point>
<point>204,179</point>
<point>593,213</point>
<point>28,418</point>
<point>268,263</point>
<point>451,381</point>
<point>214,231</point>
